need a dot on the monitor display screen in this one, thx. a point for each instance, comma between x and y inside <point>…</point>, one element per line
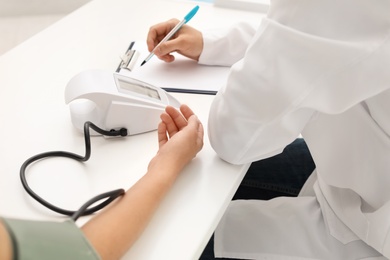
<point>139,89</point>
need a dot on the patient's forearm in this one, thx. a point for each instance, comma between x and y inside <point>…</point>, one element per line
<point>114,230</point>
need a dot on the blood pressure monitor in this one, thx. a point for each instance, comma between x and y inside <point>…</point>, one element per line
<point>114,101</point>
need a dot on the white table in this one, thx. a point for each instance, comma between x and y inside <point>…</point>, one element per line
<point>34,118</point>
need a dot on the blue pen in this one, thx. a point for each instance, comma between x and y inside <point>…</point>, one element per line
<point>173,31</point>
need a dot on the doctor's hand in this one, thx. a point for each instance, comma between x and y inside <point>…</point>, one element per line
<point>180,137</point>
<point>187,41</point>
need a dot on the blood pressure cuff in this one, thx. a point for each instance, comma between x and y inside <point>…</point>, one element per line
<point>48,240</point>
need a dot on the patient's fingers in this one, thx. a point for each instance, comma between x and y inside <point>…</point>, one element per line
<point>177,117</point>
<point>171,127</point>
<point>186,111</point>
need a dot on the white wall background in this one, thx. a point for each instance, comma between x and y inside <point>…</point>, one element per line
<point>38,7</point>
<point>21,19</point>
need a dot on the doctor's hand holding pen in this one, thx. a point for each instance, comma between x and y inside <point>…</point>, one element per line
<point>187,41</point>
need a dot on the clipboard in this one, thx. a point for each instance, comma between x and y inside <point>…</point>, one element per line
<point>181,76</point>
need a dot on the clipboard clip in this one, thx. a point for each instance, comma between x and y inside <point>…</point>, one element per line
<point>128,60</point>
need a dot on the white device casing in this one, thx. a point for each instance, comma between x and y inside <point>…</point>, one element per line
<point>96,96</point>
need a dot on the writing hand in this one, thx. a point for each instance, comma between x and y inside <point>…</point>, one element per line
<point>187,41</point>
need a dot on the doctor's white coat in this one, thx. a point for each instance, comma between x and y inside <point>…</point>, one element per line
<point>320,68</point>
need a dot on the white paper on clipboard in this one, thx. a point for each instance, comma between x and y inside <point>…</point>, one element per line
<point>182,75</point>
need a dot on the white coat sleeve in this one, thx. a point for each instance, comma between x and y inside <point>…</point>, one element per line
<point>224,47</point>
<point>298,65</point>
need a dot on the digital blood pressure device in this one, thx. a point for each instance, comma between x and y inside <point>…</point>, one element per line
<point>113,101</point>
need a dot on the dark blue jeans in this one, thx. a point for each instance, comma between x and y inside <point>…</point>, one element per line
<point>281,175</point>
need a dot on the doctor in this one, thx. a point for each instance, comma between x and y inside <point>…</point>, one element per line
<point>319,68</point>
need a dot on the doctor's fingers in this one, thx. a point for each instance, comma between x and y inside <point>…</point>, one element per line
<point>158,32</point>
<point>187,41</point>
